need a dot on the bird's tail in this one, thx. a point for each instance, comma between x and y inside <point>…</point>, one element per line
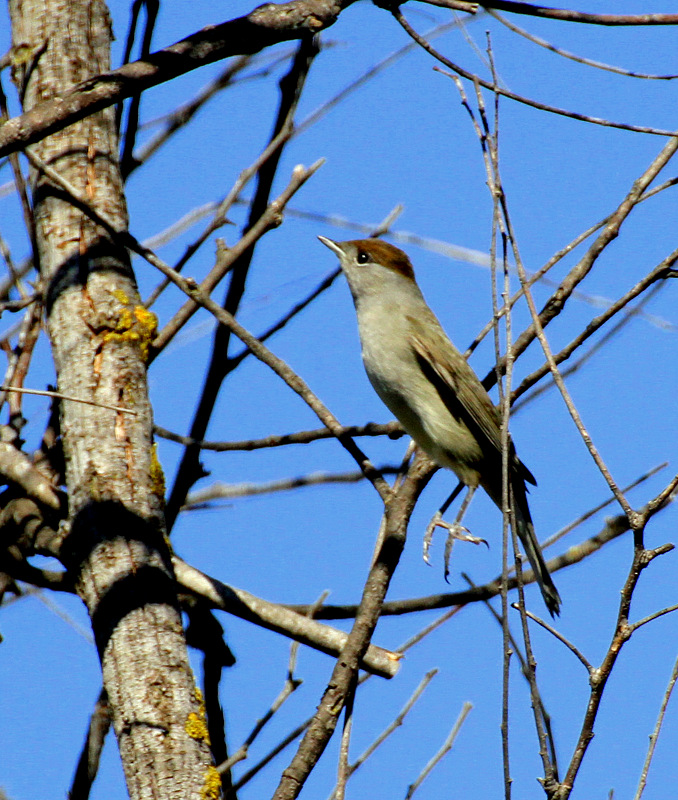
<point>528,538</point>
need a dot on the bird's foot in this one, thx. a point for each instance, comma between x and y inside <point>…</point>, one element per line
<point>455,530</point>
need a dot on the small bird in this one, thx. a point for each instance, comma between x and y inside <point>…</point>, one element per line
<point>426,382</point>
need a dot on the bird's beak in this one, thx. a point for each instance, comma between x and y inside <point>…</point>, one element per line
<point>335,247</point>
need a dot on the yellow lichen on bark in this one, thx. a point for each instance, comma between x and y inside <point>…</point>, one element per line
<point>196,723</point>
<point>147,323</point>
<point>157,473</point>
<point>196,727</point>
<point>135,324</point>
<point>211,790</point>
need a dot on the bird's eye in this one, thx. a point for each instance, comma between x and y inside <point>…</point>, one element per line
<point>363,257</point>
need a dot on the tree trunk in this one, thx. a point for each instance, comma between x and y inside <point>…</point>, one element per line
<point>100,333</point>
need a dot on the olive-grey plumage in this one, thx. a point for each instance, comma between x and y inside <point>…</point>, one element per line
<point>429,386</point>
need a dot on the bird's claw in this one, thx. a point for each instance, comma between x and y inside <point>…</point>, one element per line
<point>455,531</point>
<point>428,535</point>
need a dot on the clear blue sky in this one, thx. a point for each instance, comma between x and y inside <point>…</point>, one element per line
<point>402,138</point>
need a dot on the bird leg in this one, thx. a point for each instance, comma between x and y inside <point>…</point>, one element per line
<point>455,530</point>
<point>438,521</point>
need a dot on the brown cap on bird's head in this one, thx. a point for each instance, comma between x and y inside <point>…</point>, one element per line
<point>374,251</point>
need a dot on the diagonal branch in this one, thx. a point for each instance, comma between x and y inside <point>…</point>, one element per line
<point>266,25</point>
<point>189,470</point>
<point>398,15</point>
<point>569,15</point>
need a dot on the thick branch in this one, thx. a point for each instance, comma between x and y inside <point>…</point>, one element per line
<point>278,618</point>
<point>267,25</point>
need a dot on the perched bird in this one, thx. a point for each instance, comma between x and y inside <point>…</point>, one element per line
<point>429,386</point>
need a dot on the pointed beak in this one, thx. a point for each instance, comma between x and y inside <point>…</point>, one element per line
<point>335,247</point>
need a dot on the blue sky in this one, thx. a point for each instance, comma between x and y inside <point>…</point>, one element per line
<point>401,138</point>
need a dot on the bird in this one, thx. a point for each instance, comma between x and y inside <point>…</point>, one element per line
<point>431,389</point>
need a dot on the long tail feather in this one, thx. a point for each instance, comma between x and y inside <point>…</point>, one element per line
<point>528,538</point>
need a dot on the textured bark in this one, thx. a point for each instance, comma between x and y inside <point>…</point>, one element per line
<point>115,549</point>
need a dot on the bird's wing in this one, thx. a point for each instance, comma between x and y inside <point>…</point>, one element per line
<point>459,387</point>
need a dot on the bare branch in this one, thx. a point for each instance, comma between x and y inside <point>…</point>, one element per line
<point>512,95</point>
<point>568,15</point>
<point>88,764</point>
<point>660,272</point>
<point>391,429</point>
<point>570,646</point>
<point>614,528</point>
<point>599,677</point>
<point>398,509</point>
<point>266,25</point>
<point>226,261</point>
<point>655,733</point>
<point>191,288</point>
<point>668,610</point>
<point>393,726</point>
<point>278,618</point>
<point>229,491</point>
<point>447,746</point>
<point>15,466</point>
<point>596,509</point>
<point>240,754</point>
<point>579,59</point>
<point>60,396</point>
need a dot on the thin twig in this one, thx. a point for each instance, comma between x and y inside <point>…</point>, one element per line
<point>59,396</point>
<point>230,491</point>
<point>524,669</point>
<point>579,59</point>
<point>660,272</point>
<point>343,771</point>
<point>290,89</point>
<point>296,732</point>
<point>570,646</point>
<point>126,160</point>
<point>655,733</point>
<point>218,220</point>
<point>568,15</point>
<point>289,687</point>
<point>511,95</point>
<point>657,503</point>
<point>593,511</point>
<point>447,746</point>
<point>555,304</point>
<point>652,617</point>
<point>391,429</point>
<point>628,315</point>
<point>606,236</point>
<point>398,510</point>
<point>394,725</point>
<point>614,527</point>
<point>294,646</point>
<point>88,763</point>
<point>599,677</point>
